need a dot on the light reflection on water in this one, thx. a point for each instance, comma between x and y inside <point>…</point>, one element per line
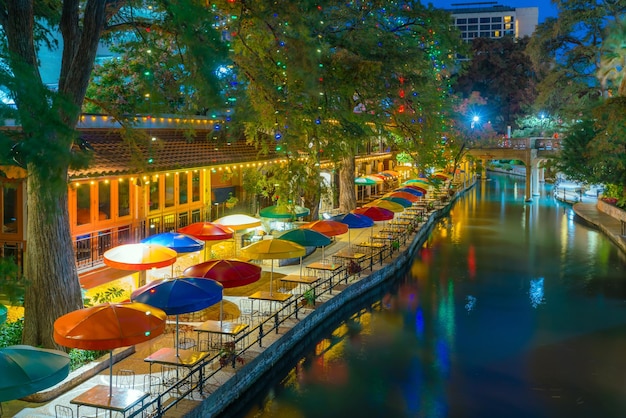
<point>511,309</point>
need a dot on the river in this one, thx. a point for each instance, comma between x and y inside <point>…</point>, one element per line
<point>510,309</point>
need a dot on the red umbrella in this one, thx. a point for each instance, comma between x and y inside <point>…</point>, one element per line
<point>108,326</point>
<point>327,227</point>
<point>230,273</point>
<point>207,231</point>
<point>375,213</point>
<point>414,187</point>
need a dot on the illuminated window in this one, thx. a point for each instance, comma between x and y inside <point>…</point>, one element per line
<point>9,208</point>
<point>104,200</point>
<point>169,191</point>
<point>195,186</point>
<point>83,204</point>
<point>123,198</point>
<point>497,34</point>
<point>154,194</point>
<point>182,188</point>
<point>508,19</point>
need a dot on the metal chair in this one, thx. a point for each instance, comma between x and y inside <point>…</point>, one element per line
<point>125,378</point>
<point>62,411</point>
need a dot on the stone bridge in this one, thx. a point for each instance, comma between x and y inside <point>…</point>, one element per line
<point>531,151</point>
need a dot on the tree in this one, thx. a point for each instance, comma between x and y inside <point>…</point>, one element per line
<point>500,71</point>
<point>45,145</point>
<point>565,52</point>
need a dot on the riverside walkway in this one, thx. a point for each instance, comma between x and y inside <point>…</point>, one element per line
<point>229,383</point>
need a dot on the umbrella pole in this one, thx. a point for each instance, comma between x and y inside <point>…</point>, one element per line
<point>176,336</point>
<point>300,266</point>
<point>271,276</point>
<point>110,373</point>
<point>221,308</point>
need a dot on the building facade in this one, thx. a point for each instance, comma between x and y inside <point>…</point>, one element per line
<point>491,20</point>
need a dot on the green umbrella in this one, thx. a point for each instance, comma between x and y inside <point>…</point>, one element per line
<point>364,181</point>
<point>284,212</point>
<point>306,238</point>
<point>26,370</point>
<point>3,314</point>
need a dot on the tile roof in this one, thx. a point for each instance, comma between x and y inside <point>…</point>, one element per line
<point>172,149</point>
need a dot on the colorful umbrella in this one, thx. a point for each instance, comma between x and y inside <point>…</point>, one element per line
<point>26,370</point>
<point>207,231</point>
<point>441,175</point>
<point>273,249</point>
<point>179,295</point>
<point>415,187</point>
<point>284,212</point>
<point>365,181</point>
<point>327,227</point>
<point>3,313</point>
<point>238,222</point>
<point>386,204</point>
<point>108,326</point>
<point>176,241</point>
<point>306,238</point>
<point>404,202</point>
<point>375,213</point>
<point>230,273</point>
<point>410,190</point>
<point>417,182</point>
<point>354,221</point>
<point>391,172</point>
<point>403,195</point>
<point>140,257</point>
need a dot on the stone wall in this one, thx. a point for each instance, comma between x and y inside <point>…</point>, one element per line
<point>611,210</point>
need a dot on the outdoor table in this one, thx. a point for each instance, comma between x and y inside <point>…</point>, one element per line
<point>271,297</point>
<point>121,399</point>
<point>300,280</point>
<point>166,356</point>
<point>349,255</point>
<point>220,329</point>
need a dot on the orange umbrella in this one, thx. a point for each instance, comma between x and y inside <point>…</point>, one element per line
<point>140,257</point>
<point>403,195</point>
<point>327,227</point>
<point>108,326</point>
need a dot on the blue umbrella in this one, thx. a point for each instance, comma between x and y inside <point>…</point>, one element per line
<point>3,313</point>
<point>409,190</point>
<point>354,221</point>
<point>176,241</point>
<point>179,295</point>
<point>405,203</point>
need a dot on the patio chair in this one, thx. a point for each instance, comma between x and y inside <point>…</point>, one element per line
<point>186,343</point>
<point>63,411</point>
<point>125,378</point>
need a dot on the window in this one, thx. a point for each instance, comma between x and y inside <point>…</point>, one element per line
<point>461,21</point>
<point>182,188</point>
<point>123,197</point>
<point>9,208</point>
<point>195,186</point>
<point>472,20</point>
<point>496,19</point>
<point>83,204</point>
<point>508,19</point>
<point>169,190</point>
<point>497,34</point>
<point>508,26</point>
<point>485,20</point>
<point>472,27</point>
<point>104,200</point>
<point>154,203</point>
<point>496,27</point>
<point>485,27</point>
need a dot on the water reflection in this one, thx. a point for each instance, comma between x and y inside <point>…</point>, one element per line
<point>509,310</point>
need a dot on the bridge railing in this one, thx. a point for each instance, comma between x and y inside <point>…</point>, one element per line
<point>539,143</point>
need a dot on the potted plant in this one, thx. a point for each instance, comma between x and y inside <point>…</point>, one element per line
<point>231,202</point>
<point>228,354</point>
<point>308,298</point>
<point>353,267</point>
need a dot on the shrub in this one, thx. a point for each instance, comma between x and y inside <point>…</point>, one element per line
<point>11,333</point>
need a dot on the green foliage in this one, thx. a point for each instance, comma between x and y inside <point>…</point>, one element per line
<point>108,295</point>
<point>79,358</point>
<point>309,297</point>
<point>11,333</point>
<point>12,283</point>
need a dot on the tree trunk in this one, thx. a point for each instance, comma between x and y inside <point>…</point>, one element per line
<point>53,288</point>
<point>347,195</point>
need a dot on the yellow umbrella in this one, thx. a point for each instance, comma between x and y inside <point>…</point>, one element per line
<point>386,204</point>
<point>271,249</point>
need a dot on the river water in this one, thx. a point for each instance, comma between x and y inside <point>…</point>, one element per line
<point>511,309</point>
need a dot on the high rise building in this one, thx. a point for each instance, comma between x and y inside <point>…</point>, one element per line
<point>491,20</point>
